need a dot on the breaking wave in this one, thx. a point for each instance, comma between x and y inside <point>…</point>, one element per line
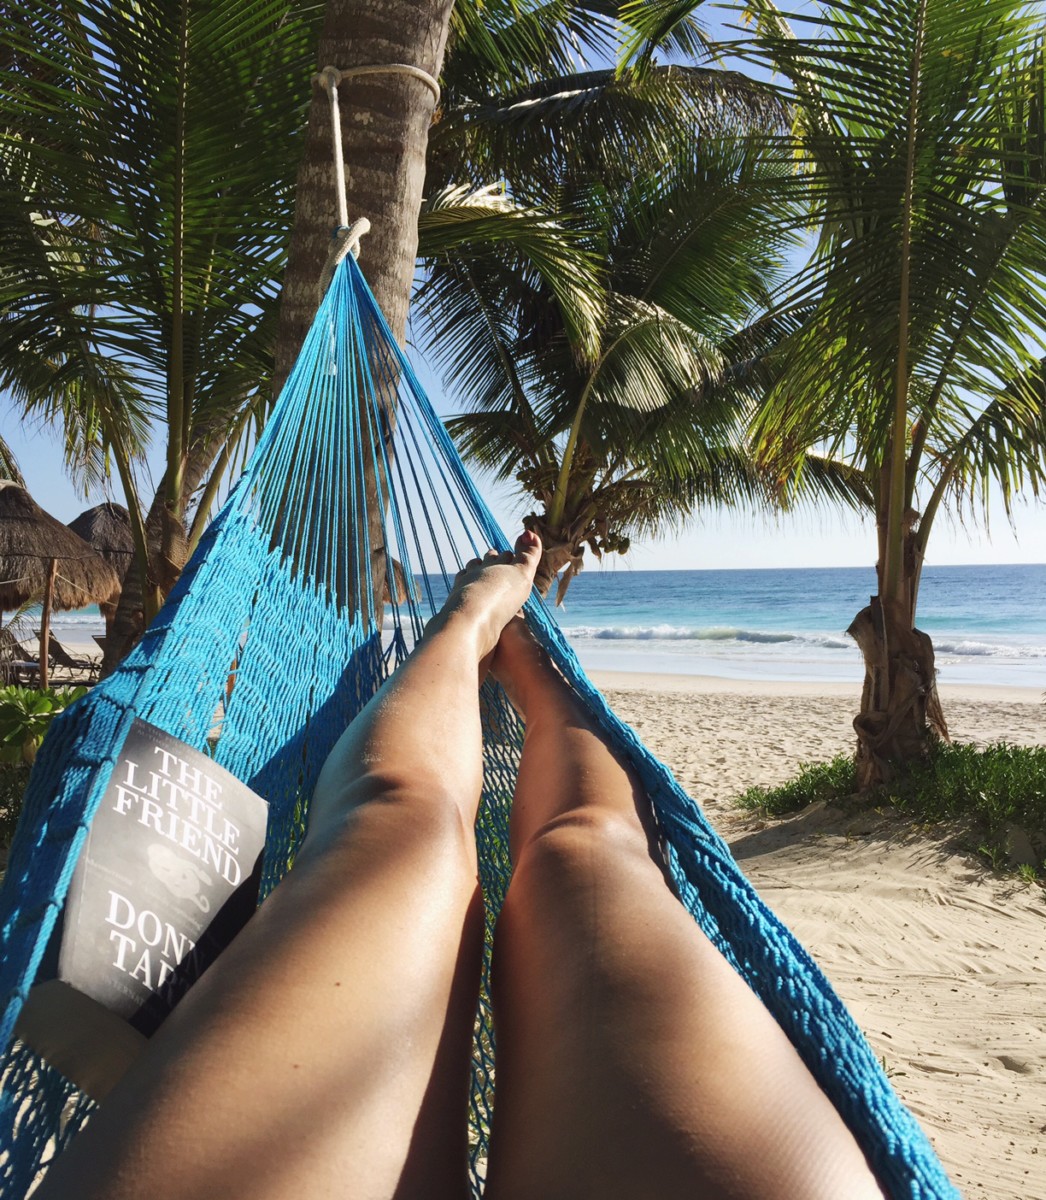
<point>969,649</point>
<point>676,633</point>
<point>953,648</point>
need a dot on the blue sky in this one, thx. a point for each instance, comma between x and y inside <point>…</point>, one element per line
<point>719,539</point>
<point>723,540</point>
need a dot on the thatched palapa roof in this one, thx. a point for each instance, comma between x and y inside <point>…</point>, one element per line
<point>29,539</point>
<point>107,529</point>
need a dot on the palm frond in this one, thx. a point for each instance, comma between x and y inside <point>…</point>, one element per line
<point>137,276</point>
<point>9,468</point>
<point>596,123</point>
<point>670,25</point>
<point>500,441</point>
<point>997,447</point>
<point>919,155</point>
<point>497,43</point>
<point>461,223</point>
<point>650,359</point>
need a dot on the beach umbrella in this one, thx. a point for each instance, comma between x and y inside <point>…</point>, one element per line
<point>40,558</point>
<point>107,529</point>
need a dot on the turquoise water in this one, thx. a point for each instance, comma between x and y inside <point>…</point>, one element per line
<point>988,623</point>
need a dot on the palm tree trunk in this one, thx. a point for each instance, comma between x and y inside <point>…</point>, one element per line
<point>45,624</point>
<point>385,122</point>
<point>167,545</point>
<point>900,717</point>
<point>900,713</point>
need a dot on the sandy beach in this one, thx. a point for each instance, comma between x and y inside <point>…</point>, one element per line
<point>942,963</point>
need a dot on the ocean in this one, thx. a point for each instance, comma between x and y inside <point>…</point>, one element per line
<point>988,623</point>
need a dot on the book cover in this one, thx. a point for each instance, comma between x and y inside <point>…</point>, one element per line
<point>167,877</point>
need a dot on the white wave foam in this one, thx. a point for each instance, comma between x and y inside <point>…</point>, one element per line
<point>965,648</point>
<point>960,648</point>
<point>677,633</point>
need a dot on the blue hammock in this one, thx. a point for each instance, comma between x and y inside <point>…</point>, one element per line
<point>281,594</point>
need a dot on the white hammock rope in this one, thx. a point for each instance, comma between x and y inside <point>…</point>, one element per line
<point>346,238</point>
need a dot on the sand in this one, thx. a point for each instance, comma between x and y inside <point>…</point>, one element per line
<point>942,962</point>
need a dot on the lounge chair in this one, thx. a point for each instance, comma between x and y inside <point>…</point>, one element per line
<point>88,669</point>
<point>18,664</point>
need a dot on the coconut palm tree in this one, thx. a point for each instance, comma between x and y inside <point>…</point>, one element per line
<point>521,108</point>
<point>145,167</point>
<point>652,424</point>
<point>921,131</point>
<point>519,103</point>
<point>385,120</point>
<point>146,160</point>
<point>537,94</point>
<point>146,155</point>
<point>651,163</point>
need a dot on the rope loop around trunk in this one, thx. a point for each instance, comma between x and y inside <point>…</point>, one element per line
<point>346,237</point>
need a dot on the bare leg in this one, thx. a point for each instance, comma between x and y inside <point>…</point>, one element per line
<point>632,1061</point>
<point>326,1052</point>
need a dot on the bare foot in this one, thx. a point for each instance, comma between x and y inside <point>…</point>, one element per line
<point>488,592</point>
<point>526,672</point>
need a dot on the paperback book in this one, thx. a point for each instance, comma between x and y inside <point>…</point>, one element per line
<point>168,876</point>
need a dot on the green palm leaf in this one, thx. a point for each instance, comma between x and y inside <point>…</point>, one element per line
<point>461,224</point>
<point>606,124</point>
<point>147,156</point>
<point>671,25</point>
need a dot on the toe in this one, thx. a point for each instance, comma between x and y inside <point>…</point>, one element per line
<point>528,549</point>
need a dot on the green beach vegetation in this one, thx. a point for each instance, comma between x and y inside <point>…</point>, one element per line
<point>992,799</point>
<point>25,716</point>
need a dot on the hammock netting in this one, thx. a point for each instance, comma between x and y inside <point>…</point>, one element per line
<point>279,632</point>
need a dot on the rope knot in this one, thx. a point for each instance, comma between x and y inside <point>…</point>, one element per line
<point>344,240</point>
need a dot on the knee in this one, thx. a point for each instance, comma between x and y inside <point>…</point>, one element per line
<point>576,851</point>
<point>381,813</point>
<point>570,896</point>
